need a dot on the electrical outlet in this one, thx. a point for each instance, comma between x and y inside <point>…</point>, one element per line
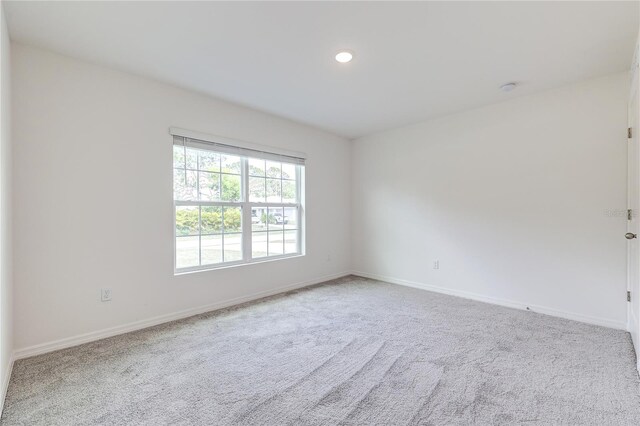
<point>105,294</point>
<point>436,264</point>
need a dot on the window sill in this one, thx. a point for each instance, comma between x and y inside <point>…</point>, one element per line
<point>208,268</point>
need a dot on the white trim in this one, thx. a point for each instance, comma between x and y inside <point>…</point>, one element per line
<point>235,263</point>
<point>150,322</point>
<point>5,382</point>
<point>635,62</point>
<point>138,325</point>
<point>246,231</point>
<point>633,331</point>
<point>620,325</point>
<point>176,131</point>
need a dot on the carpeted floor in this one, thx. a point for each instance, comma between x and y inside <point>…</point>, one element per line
<point>352,352</point>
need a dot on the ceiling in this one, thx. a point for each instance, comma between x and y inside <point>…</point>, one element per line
<point>413,60</point>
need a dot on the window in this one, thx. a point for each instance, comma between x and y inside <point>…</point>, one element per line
<point>234,205</point>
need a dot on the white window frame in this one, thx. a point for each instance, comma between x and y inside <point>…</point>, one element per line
<point>245,205</point>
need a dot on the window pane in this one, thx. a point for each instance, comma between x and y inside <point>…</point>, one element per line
<point>273,190</point>
<point>288,171</point>
<point>276,243</point>
<point>185,185</point>
<point>211,220</point>
<point>259,219</point>
<point>276,218</point>
<point>257,189</point>
<point>230,164</point>
<point>274,169</point>
<point>211,249</point>
<point>289,194</point>
<point>290,242</point>
<point>187,221</point>
<point>209,186</point>
<point>192,157</point>
<point>187,252</point>
<point>256,167</point>
<point>232,219</point>
<point>209,234</point>
<point>178,156</point>
<point>231,188</point>
<point>209,161</point>
<point>232,247</point>
<point>291,218</point>
<point>258,244</point>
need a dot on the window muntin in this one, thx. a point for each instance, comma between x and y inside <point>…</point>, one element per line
<point>233,209</point>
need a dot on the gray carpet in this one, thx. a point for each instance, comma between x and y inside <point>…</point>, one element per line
<point>350,352</point>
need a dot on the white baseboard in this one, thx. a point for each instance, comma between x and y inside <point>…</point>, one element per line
<point>620,325</point>
<point>5,383</point>
<point>138,325</point>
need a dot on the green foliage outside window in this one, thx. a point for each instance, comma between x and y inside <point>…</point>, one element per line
<point>210,220</point>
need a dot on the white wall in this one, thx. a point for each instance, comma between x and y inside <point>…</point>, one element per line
<point>512,199</point>
<point>6,280</point>
<point>93,199</point>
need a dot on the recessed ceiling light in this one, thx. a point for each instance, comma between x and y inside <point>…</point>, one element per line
<point>344,56</point>
<point>508,87</point>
